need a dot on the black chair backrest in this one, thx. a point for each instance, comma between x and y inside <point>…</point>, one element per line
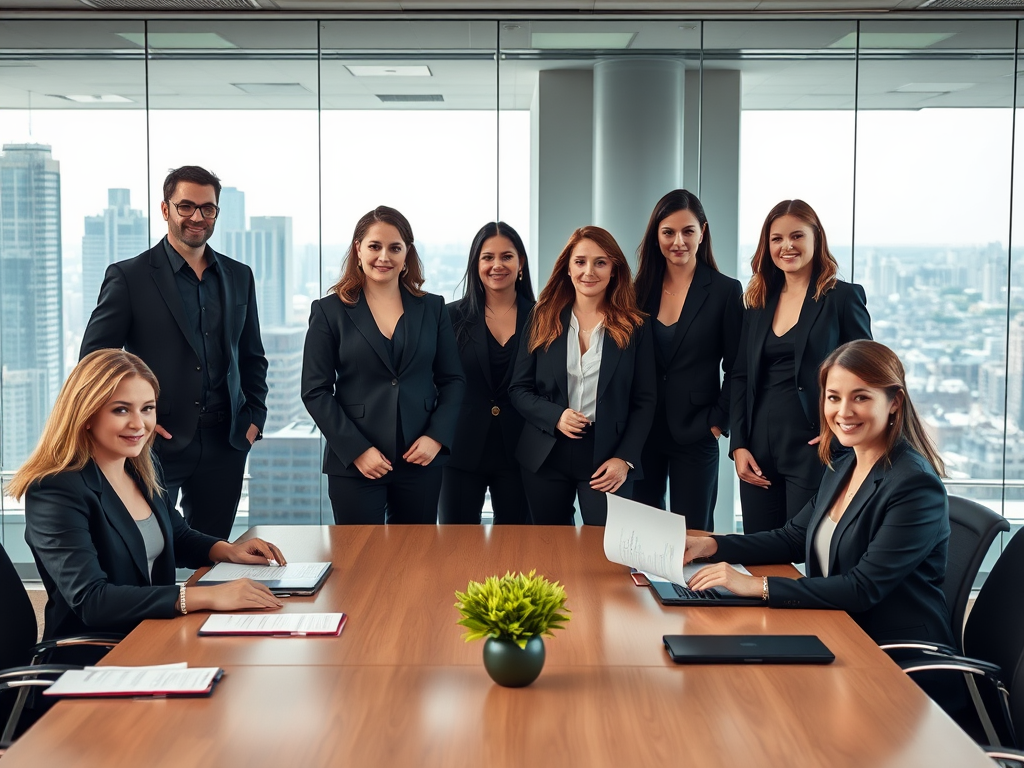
<point>972,529</point>
<point>995,627</point>
<point>18,627</point>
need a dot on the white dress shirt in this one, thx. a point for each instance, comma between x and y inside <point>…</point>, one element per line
<point>584,370</point>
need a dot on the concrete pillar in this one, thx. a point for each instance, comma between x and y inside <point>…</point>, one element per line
<point>638,142</point>
<point>562,155</point>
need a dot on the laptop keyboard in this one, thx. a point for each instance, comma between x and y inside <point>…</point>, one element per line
<point>692,594</point>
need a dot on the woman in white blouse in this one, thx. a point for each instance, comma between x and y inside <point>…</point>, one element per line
<point>584,383</point>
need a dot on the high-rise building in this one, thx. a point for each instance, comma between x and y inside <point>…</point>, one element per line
<point>1015,371</point>
<point>283,346</point>
<point>230,219</point>
<point>269,252</point>
<point>119,233</point>
<point>31,294</point>
<point>285,485</point>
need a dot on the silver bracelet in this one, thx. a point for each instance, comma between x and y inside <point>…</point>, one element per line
<point>181,600</point>
<point>764,589</point>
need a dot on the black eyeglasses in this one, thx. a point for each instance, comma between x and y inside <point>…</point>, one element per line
<point>187,209</point>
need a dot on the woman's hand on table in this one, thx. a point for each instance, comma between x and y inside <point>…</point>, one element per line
<point>249,552</point>
<point>238,595</point>
<point>724,575</point>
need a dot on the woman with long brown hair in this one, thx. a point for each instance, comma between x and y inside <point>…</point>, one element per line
<point>874,536</point>
<point>696,315</point>
<point>797,313</point>
<point>382,380</point>
<point>101,531</point>
<point>584,383</point>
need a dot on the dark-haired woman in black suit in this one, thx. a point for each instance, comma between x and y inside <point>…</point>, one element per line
<point>488,322</point>
<point>696,313</point>
<point>797,314</point>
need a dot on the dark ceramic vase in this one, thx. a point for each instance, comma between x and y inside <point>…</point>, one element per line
<point>512,666</point>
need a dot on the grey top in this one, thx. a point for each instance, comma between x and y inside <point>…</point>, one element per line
<point>153,538</point>
<point>823,541</point>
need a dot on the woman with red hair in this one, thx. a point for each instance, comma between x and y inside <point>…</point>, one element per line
<point>584,383</point>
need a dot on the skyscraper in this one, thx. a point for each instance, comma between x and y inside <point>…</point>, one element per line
<point>119,233</point>
<point>30,292</point>
<point>284,377</point>
<point>230,219</point>
<point>285,485</point>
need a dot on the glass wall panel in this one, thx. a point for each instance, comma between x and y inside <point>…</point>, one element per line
<point>240,98</point>
<point>73,198</point>
<point>934,145</point>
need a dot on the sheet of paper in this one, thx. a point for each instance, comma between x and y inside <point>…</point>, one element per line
<point>293,572</point>
<point>128,681</point>
<point>692,568</point>
<point>645,538</point>
<point>273,623</point>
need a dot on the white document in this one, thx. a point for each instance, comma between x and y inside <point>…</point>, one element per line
<point>134,681</point>
<point>293,572</point>
<point>692,568</point>
<point>645,538</point>
<point>273,624</point>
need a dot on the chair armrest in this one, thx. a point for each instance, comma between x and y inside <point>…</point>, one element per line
<point>13,674</point>
<point>927,662</point>
<point>1004,756</point>
<point>917,645</point>
<point>101,639</point>
<point>21,679</point>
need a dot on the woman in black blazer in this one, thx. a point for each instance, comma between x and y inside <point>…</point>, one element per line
<point>696,313</point>
<point>381,378</point>
<point>98,523</point>
<point>584,383</point>
<point>797,313</point>
<point>874,537</point>
<point>488,322</point>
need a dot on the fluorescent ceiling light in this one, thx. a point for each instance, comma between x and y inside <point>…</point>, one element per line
<point>203,40</point>
<point>595,41</point>
<point>273,89</point>
<point>102,98</point>
<point>894,40</point>
<point>389,98</point>
<point>933,87</point>
<point>385,70</point>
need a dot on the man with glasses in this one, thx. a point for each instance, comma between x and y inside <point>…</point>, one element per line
<point>190,313</point>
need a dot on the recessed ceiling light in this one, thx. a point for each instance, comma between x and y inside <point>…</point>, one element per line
<point>101,98</point>
<point>894,40</point>
<point>273,89</point>
<point>595,41</point>
<point>388,70</point>
<point>934,87</point>
<point>409,97</point>
<point>179,40</point>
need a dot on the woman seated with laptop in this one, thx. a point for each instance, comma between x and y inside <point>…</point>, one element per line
<point>874,536</point>
<point>103,537</point>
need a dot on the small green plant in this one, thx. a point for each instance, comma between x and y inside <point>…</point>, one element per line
<point>512,608</point>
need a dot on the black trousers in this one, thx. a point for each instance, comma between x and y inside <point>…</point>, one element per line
<point>778,443</point>
<point>405,495</point>
<point>462,496</point>
<point>208,474</point>
<point>692,474</point>
<point>564,476</point>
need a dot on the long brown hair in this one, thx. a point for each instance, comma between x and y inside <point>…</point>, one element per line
<point>650,261</point>
<point>878,366</point>
<point>621,315</point>
<point>66,445</point>
<point>768,278</point>
<point>352,279</point>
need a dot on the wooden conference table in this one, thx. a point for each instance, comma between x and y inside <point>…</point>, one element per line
<point>399,687</point>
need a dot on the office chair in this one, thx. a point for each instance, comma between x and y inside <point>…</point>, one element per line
<point>23,662</point>
<point>993,642</point>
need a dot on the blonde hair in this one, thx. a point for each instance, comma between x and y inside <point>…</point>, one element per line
<point>65,445</point>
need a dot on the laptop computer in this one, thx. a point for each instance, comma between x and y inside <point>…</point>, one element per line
<point>747,649</point>
<point>677,594</point>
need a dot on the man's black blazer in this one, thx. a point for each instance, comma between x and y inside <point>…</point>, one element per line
<point>841,315</point>
<point>888,552</point>
<point>475,418</point>
<point>140,309</point>
<point>626,397</point>
<point>92,559</point>
<point>356,396</point>
<point>695,396</point>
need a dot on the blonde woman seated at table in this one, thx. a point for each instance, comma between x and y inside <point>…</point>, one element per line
<point>874,536</point>
<point>103,537</point>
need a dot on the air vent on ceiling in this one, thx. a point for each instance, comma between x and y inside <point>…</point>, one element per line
<point>971,5</point>
<point>172,5</point>
<point>410,97</point>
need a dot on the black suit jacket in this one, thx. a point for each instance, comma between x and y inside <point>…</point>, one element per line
<point>626,397</point>
<point>694,396</point>
<point>356,396</point>
<point>140,309</point>
<point>92,559</point>
<point>888,552</point>
<point>841,315</point>
<point>475,418</point>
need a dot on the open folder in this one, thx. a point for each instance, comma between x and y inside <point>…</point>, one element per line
<point>275,624</point>
<point>163,680</point>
